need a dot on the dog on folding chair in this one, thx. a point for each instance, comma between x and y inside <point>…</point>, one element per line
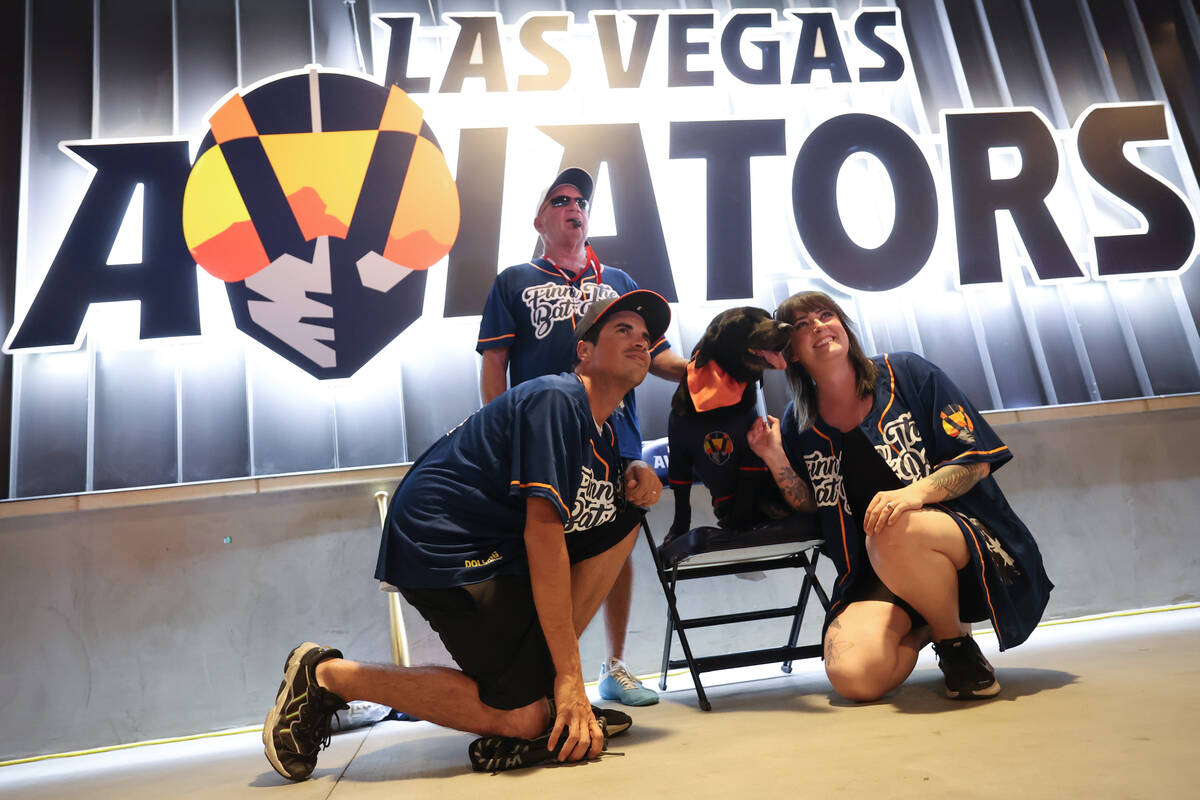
<point>711,412</point>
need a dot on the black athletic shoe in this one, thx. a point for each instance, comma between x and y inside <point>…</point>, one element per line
<point>613,722</point>
<point>297,728</point>
<point>968,674</point>
<point>498,753</point>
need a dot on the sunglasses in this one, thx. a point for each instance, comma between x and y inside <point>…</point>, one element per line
<point>560,200</point>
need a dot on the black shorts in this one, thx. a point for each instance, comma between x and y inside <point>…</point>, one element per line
<point>970,597</point>
<point>492,631</point>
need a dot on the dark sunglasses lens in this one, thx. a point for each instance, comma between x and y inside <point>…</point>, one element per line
<point>560,200</point>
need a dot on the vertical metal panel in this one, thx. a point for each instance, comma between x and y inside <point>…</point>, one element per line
<point>51,390</point>
<point>12,109</point>
<point>1014,49</point>
<point>429,10</point>
<point>135,418</point>
<point>135,69</point>
<point>370,416</point>
<point>275,35</point>
<point>134,405</point>
<point>206,58</point>
<point>948,341</point>
<point>51,419</point>
<point>1068,381</point>
<point>972,50</point>
<point>334,38</point>
<point>437,392</point>
<point>214,428</point>
<point>932,59</point>
<point>291,417</point>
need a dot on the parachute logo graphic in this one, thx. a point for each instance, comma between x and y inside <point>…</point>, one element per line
<point>321,199</point>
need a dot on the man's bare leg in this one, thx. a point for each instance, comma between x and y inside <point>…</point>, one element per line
<point>449,698</point>
<point>616,610</point>
<point>439,695</point>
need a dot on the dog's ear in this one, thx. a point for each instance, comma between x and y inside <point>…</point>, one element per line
<point>706,349</point>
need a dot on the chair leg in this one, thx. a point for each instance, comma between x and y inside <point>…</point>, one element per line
<point>808,585</point>
<point>674,623</point>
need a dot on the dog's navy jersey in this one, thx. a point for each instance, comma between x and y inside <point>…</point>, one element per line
<point>458,517</point>
<point>532,310</point>
<point>714,445</point>
<point>921,421</point>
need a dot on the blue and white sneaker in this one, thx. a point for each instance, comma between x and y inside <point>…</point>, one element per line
<point>618,684</point>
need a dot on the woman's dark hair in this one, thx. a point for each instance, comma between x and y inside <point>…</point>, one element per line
<point>804,391</point>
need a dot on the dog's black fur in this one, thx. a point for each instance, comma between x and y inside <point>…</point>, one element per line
<point>729,340</point>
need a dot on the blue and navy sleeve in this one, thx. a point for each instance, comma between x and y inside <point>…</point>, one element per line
<point>496,327</point>
<point>547,456</point>
<point>960,433</point>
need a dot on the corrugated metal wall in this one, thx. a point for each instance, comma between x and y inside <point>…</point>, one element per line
<point>118,414</point>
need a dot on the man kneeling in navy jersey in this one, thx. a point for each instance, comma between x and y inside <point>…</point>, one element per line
<point>506,535</point>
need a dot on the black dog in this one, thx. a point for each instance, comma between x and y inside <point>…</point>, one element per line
<point>711,412</point>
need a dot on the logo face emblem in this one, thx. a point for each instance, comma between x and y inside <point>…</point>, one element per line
<point>957,424</point>
<point>718,447</point>
<point>320,199</point>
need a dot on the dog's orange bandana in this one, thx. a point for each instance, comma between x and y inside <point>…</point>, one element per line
<point>712,387</point>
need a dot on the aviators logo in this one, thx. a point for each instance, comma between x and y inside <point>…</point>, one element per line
<point>320,199</point>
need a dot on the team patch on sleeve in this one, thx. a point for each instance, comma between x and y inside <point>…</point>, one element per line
<point>957,423</point>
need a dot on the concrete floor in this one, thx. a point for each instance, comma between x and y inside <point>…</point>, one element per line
<point>1096,709</point>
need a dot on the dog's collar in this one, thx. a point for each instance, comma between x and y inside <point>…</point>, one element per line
<point>712,387</point>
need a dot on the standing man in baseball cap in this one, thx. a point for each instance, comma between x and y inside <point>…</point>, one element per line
<point>506,535</point>
<point>528,329</point>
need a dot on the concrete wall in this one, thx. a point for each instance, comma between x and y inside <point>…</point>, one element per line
<point>139,622</point>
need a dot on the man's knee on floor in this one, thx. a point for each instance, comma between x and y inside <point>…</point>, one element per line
<point>526,722</point>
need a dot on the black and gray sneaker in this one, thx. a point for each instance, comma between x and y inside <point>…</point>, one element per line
<point>613,722</point>
<point>497,753</point>
<point>968,674</point>
<point>297,728</point>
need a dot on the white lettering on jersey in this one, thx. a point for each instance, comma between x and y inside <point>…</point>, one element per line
<point>826,475</point>
<point>550,303</point>
<point>907,457</point>
<point>595,503</point>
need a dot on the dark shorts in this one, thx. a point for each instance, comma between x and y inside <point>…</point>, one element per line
<point>491,629</point>
<point>972,606</point>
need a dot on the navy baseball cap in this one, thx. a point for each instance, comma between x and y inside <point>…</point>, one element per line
<point>571,176</point>
<point>650,306</point>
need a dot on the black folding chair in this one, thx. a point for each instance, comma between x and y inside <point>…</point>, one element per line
<point>708,552</point>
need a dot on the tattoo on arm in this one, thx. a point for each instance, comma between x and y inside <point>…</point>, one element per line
<point>955,480</point>
<point>795,490</point>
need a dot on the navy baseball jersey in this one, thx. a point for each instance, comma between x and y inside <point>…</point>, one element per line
<point>921,421</point>
<point>713,446</point>
<point>458,517</point>
<point>532,310</point>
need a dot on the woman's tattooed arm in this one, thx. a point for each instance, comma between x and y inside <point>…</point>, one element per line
<point>795,490</point>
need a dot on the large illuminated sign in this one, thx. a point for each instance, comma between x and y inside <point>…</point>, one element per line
<point>321,198</point>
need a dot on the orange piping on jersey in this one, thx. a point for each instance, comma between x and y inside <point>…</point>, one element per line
<point>498,338</point>
<point>558,273</point>
<point>557,497</point>
<point>999,449</point>
<point>891,399</point>
<point>674,482</point>
<point>753,469</point>
<point>607,468</point>
<point>982,572</point>
<point>841,514</point>
<point>721,499</point>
